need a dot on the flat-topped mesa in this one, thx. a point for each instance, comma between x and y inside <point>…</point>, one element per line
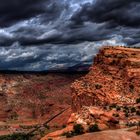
<point>113,78</point>
<point>125,57</point>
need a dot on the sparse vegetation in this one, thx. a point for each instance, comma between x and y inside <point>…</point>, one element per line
<point>63,126</point>
<point>118,108</point>
<point>68,134</point>
<point>138,125</point>
<point>131,88</point>
<point>131,124</point>
<point>120,56</point>
<point>138,100</point>
<point>14,116</point>
<point>133,109</point>
<point>28,126</point>
<point>138,112</point>
<point>93,128</point>
<point>98,86</point>
<point>78,129</point>
<point>138,133</point>
<point>116,115</point>
<point>55,126</point>
<point>112,62</point>
<point>113,121</point>
<point>102,95</point>
<point>47,126</point>
<point>113,106</point>
<point>16,136</point>
<point>126,108</point>
<point>126,114</point>
<point>50,139</point>
<point>105,107</point>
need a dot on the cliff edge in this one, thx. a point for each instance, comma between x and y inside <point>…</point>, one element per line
<point>107,98</point>
<point>113,79</point>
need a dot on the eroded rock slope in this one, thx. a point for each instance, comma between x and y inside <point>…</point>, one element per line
<point>113,78</point>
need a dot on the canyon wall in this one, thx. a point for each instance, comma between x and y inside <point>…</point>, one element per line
<point>113,78</point>
<point>34,96</point>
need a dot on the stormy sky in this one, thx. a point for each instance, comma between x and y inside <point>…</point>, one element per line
<point>37,35</point>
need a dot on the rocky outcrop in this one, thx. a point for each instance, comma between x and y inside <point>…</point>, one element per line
<point>113,79</point>
<point>104,135</point>
<point>30,100</point>
<point>106,97</point>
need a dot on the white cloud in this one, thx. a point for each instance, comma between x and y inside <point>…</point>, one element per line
<point>52,33</point>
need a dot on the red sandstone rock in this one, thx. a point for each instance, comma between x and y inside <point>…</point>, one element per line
<point>113,78</point>
<point>27,96</point>
<point>105,135</point>
<point>58,133</point>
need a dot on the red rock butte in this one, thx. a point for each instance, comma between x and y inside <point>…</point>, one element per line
<point>113,78</point>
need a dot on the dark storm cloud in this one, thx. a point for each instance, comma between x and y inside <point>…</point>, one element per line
<point>117,12</point>
<point>93,20</point>
<point>57,34</point>
<point>121,17</point>
<point>12,11</point>
<point>45,57</point>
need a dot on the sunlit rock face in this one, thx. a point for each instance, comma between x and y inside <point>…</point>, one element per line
<point>113,79</point>
<point>60,34</point>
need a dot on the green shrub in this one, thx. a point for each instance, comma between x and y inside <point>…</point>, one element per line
<point>126,108</point>
<point>55,126</point>
<point>78,129</point>
<point>116,115</point>
<point>138,100</point>
<point>120,55</point>
<point>112,62</point>
<point>138,112</point>
<point>105,107</point>
<point>68,134</point>
<point>93,128</point>
<point>118,108</point>
<point>113,106</point>
<point>50,139</point>
<point>16,136</point>
<point>126,114</point>
<point>133,109</point>
<point>139,123</point>
<point>98,86</point>
<point>130,124</point>
<point>113,121</point>
<point>131,88</point>
<point>138,133</point>
<point>63,126</point>
<point>14,116</point>
<point>47,126</point>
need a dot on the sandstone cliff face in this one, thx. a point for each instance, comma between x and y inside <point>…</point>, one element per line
<point>113,78</point>
<point>106,96</point>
